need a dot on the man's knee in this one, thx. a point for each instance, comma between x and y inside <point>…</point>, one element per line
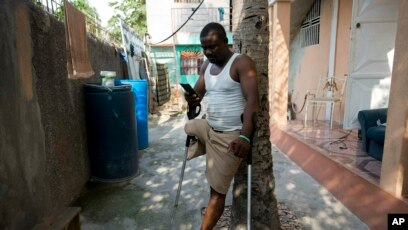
<point>189,127</point>
<point>192,127</point>
<point>216,195</point>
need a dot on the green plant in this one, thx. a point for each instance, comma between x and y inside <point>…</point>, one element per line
<point>133,12</point>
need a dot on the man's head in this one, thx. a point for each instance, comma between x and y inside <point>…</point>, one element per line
<point>214,42</point>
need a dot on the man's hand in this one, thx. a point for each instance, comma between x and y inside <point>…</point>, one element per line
<point>192,99</point>
<point>239,147</point>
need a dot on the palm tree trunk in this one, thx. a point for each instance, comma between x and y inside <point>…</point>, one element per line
<point>251,36</point>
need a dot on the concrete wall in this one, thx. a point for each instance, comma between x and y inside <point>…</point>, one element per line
<point>343,37</point>
<point>159,18</point>
<point>278,61</point>
<point>394,170</point>
<point>309,63</point>
<point>43,150</point>
<point>341,65</point>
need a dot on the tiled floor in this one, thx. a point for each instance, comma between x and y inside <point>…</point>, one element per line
<point>343,146</point>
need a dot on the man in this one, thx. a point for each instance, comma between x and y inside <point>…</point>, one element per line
<point>229,81</point>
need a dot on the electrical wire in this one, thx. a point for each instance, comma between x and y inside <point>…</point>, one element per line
<point>338,140</point>
<point>342,141</point>
<point>328,138</point>
<point>181,25</point>
<point>303,106</point>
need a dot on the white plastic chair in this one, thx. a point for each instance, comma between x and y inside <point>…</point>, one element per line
<point>329,91</point>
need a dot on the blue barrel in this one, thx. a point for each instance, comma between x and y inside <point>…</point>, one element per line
<point>111,131</point>
<point>140,89</point>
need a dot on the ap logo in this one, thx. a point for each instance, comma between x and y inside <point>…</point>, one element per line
<point>397,221</point>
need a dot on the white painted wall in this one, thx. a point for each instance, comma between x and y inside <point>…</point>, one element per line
<point>159,19</point>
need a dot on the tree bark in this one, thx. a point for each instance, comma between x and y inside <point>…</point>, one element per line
<point>251,37</point>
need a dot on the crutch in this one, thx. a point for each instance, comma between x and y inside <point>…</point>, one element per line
<point>192,112</point>
<point>249,165</point>
<point>249,162</point>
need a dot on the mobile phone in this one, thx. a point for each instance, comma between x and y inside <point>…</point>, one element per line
<point>188,88</point>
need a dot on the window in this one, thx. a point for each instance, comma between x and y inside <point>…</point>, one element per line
<point>310,28</point>
<point>187,1</point>
<point>190,62</point>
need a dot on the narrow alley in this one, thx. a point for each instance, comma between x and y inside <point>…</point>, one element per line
<point>146,201</point>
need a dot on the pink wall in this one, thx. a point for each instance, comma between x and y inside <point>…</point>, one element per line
<point>309,63</point>
<point>312,61</point>
<point>342,47</point>
<point>394,172</point>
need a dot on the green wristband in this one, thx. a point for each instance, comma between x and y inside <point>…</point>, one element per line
<point>245,138</point>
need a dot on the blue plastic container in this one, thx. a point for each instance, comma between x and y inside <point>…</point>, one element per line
<point>111,131</point>
<point>140,89</point>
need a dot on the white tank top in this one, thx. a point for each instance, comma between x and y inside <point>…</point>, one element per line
<point>225,100</point>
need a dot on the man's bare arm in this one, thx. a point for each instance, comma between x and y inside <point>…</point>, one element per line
<point>249,84</point>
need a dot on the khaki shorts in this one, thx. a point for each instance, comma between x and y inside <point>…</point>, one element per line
<point>221,165</point>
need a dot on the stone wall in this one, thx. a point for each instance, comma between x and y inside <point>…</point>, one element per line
<point>43,148</point>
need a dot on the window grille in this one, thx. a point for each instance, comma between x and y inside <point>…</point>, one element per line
<point>191,62</point>
<point>310,28</point>
<point>187,1</point>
